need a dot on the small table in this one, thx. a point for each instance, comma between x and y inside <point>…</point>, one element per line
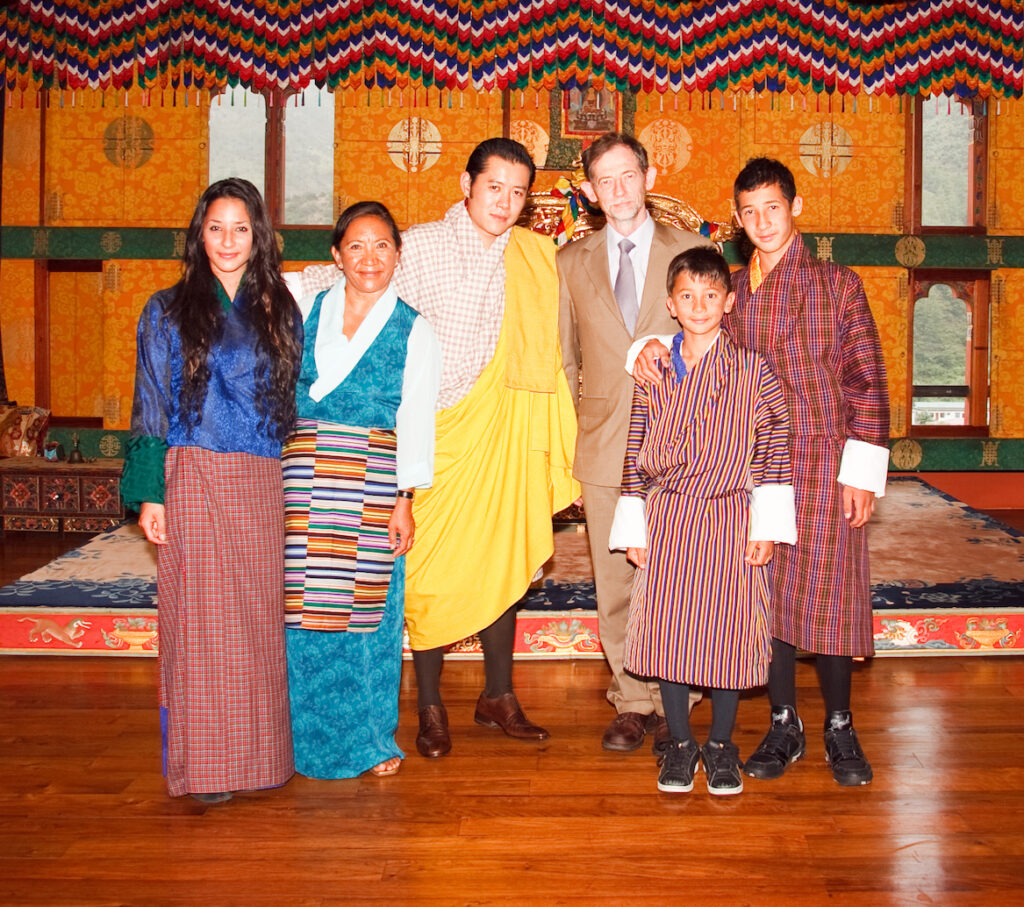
<point>43,495</point>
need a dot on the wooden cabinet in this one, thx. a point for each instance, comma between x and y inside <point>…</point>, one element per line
<point>76,497</point>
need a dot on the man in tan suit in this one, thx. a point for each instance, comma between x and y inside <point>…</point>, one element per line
<point>612,289</point>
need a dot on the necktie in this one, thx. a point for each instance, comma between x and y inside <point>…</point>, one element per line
<point>625,287</point>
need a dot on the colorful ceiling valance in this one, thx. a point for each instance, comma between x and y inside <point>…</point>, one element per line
<point>924,47</point>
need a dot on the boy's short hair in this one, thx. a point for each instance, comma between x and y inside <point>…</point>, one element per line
<point>605,143</point>
<point>764,171</point>
<point>703,263</point>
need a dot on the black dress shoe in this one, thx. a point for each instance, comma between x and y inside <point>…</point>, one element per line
<point>505,712</point>
<point>625,733</point>
<point>662,737</point>
<point>213,797</point>
<point>433,739</point>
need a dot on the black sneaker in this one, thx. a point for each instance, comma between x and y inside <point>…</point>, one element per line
<point>678,763</point>
<point>842,751</point>
<point>782,745</point>
<point>722,766</point>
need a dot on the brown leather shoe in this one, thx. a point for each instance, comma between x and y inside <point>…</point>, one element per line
<point>505,712</point>
<point>625,733</point>
<point>662,737</point>
<point>433,739</point>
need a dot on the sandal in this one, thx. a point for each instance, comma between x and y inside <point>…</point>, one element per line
<point>387,767</point>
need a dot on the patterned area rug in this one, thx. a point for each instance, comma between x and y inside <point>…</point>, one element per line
<point>947,579</point>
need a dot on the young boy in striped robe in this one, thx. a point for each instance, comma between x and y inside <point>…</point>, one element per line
<point>706,493</point>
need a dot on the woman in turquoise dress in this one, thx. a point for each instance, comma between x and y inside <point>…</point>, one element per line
<point>364,440</point>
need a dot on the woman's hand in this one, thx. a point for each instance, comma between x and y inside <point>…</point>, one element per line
<point>153,521</point>
<point>401,527</point>
<point>759,553</point>
<point>637,556</point>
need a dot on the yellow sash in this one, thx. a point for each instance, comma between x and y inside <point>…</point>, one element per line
<point>502,467</point>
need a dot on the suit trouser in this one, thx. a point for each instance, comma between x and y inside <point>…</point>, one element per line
<point>613,581</point>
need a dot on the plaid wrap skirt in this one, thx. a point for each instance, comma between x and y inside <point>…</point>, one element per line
<point>220,588</point>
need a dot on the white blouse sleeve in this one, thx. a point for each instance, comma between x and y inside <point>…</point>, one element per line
<point>415,418</point>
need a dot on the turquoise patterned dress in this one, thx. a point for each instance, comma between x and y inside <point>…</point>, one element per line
<point>344,592</point>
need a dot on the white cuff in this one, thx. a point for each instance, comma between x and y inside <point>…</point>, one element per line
<point>773,514</point>
<point>415,475</point>
<point>864,466</point>
<point>293,280</point>
<point>638,345</point>
<point>629,525</point>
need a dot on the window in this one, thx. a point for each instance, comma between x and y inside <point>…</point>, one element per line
<point>949,352</point>
<point>238,125</point>
<point>309,158</point>
<point>285,147</point>
<point>947,144</point>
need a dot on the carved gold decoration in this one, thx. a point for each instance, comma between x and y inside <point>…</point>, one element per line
<point>910,251</point>
<point>414,144</point>
<point>54,207</point>
<point>543,213</point>
<point>668,145</point>
<point>995,251</point>
<point>898,418</point>
<point>128,142</point>
<point>111,277</point>
<point>179,243</point>
<point>906,454</point>
<point>897,216</point>
<point>824,248</point>
<point>826,149</point>
<point>40,243</point>
<point>990,453</point>
<point>111,414</point>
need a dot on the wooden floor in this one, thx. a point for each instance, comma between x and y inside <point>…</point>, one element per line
<point>84,818</point>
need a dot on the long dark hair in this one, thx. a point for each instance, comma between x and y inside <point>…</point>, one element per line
<point>272,312</point>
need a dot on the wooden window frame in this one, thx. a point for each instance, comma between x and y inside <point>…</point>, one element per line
<point>977,173</point>
<point>976,422</point>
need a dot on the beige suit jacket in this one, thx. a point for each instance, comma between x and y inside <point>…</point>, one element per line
<point>595,341</point>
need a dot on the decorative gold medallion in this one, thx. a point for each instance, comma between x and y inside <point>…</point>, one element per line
<point>128,142</point>
<point>905,454</point>
<point>668,145</point>
<point>533,137</point>
<point>910,251</point>
<point>109,445</point>
<point>414,144</point>
<point>826,149</point>
<point>110,242</point>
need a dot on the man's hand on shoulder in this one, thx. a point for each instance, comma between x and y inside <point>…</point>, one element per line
<point>646,369</point>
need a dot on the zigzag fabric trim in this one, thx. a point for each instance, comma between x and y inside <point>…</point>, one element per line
<point>927,47</point>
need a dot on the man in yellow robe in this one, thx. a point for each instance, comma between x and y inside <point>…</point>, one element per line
<point>506,431</point>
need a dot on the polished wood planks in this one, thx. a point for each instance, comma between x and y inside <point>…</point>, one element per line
<point>84,818</point>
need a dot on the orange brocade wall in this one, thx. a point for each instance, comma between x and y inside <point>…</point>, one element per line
<point>408,149</point>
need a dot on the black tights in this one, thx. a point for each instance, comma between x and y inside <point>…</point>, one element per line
<point>676,699</point>
<point>497,641</point>
<point>834,675</point>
